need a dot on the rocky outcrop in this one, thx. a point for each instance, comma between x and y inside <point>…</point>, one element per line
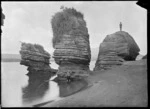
<point>35,57</point>
<point>71,42</point>
<point>37,60</point>
<point>115,49</point>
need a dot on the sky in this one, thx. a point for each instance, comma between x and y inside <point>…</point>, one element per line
<point>31,22</point>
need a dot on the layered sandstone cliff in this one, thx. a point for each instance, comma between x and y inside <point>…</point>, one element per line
<point>71,42</point>
<point>115,49</point>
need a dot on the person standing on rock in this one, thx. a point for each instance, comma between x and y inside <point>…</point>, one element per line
<point>68,76</point>
<point>120,26</point>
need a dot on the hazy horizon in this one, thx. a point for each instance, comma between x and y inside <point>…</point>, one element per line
<point>30,22</point>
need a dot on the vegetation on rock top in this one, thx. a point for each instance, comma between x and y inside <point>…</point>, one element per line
<point>63,22</point>
<point>34,48</point>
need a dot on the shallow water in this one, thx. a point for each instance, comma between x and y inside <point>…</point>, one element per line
<point>21,90</point>
<point>17,91</point>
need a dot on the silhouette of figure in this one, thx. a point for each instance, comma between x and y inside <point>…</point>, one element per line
<point>68,76</point>
<point>120,26</point>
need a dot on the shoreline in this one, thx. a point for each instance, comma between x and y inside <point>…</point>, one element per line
<point>125,85</point>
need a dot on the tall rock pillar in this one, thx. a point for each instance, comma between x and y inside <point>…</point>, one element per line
<point>71,42</point>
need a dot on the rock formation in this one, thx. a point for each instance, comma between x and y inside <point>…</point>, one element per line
<point>35,57</point>
<point>115,49</point>
<point>71,42</point>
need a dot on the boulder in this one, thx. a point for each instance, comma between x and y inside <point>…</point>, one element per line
<point>35,57</point>
<point>115,49</point>
<point>71,42</point>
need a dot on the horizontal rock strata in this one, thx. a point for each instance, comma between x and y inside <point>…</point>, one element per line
<point>115,49</point>
<point>35,57</point>
<point>72,51</point>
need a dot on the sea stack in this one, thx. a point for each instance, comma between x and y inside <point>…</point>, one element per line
<point>115,49</point>
<point>71,42</point>
<point>35,57</point>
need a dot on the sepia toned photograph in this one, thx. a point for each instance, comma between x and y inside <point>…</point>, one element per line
<point>73,54</point>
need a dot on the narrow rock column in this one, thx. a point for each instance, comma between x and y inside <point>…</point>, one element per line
<point>71,42</point>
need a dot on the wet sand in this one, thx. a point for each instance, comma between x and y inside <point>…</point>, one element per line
<point>41,104</point>
<point>123,86</point>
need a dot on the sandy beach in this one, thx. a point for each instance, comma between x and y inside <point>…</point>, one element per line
<point>123,86</point>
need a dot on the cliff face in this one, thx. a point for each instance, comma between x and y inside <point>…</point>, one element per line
<point>115,49</point>
<point>35,57</point>
<point>72,51</point>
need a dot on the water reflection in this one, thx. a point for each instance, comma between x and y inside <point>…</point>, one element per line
<point>40,90</point>
<point>21,90</point>
<point>37,86</point>
<point>66,89</point>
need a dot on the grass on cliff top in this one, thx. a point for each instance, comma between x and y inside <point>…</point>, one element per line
<point>63,22</point>
<point>34,48</point>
